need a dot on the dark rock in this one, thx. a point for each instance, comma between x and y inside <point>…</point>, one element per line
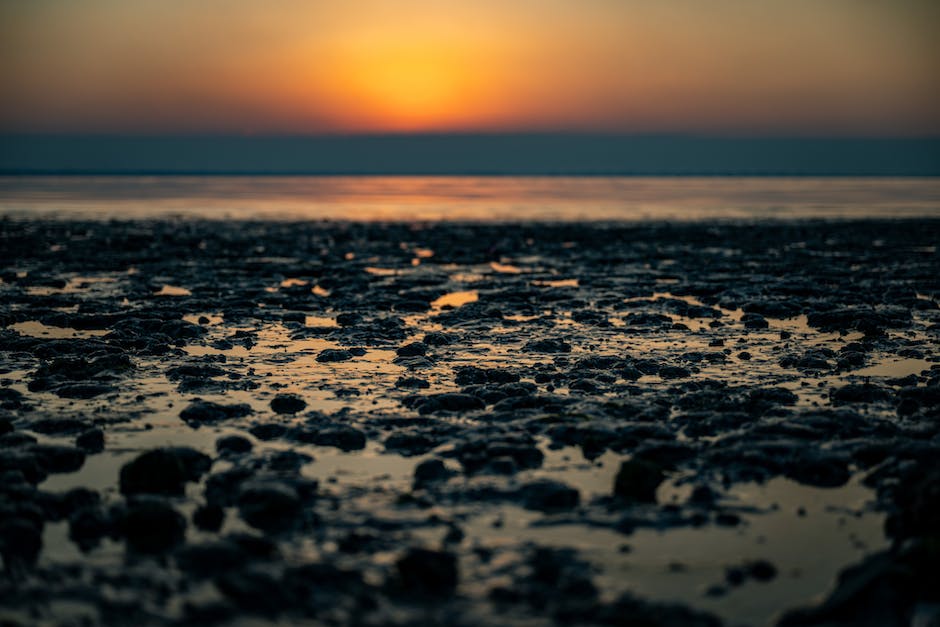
<point>58,426</point>
<point>269,506</point>
<point>410,443</point>
<point>209,517</point>
<point>163,471</point>
<point>547,346</point>
<point>754,321</point>
<point>330,355</point>
<point>88,525</point>
<point>233,444</point>
<point>637,481</point>
<point>83,390</point>
<point>439,338</point>
<point>20,541</point>
<point>415,349</point>
<point>449,401</point>
<point>430,471</point>
<point>861,393</point>
<point>268,431</point>
<point>547,495</point>
<point>206,411</point>
<point>343,437</point>
<point>427,572</point>
<point>151,525</point>
<point>288,404</point>
<point>91,441</point>
<point>58,458</point>
<point>674,372</point>
<point>761,570</point>
<point>255,591</point>
<point>412,383</point>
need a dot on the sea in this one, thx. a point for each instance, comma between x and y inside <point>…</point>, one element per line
<point>468,198</point>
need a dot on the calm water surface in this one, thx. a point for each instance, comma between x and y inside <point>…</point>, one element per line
<point>469,198</point>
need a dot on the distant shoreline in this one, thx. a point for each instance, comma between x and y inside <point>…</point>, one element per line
<point>468,155</point>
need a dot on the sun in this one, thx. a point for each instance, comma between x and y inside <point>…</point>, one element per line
<point>410,88</point>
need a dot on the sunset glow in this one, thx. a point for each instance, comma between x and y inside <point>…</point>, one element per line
<point>839,67</point>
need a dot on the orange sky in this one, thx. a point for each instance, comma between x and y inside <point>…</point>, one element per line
<point>834,67</point>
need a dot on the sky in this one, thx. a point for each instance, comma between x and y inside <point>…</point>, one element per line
<point>855,68</point>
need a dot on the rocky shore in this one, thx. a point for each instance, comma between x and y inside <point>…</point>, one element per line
<point>206,422</point>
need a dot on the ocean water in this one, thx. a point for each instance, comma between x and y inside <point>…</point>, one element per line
<point>474,199</point>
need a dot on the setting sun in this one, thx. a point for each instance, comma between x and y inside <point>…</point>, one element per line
<point>408,89</point>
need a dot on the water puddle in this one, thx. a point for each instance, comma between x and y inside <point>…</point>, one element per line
<point>556,283</point>
<point>173,290</point>
<point>456,299</point>
<point>34,328</point>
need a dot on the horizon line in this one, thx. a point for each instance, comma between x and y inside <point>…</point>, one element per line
<point>533,154</point>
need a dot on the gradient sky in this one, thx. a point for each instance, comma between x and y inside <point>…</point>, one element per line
<point>777,67</point>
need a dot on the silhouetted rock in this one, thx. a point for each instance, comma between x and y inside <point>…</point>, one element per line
<point>288,404</point>
<point>427,572</point>
<point>637,480</point>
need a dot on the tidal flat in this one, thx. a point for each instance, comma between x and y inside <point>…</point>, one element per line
<point>215,422</point>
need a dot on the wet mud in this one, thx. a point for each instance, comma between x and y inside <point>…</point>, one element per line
<point>209,422</point>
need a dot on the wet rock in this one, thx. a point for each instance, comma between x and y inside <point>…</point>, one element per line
<point>557,582</point>
<point>761,570</point>
<point>547,495</point>
<point>269,506</point>
<point>427,572</point>
<point>449,401</point>
<point>415,349</point>
<point>17,439</point>
<point>209,517</point>
<point>637,481</point>
<point>211,559</point>
<point>478,453</point>
<point>348,319</point>
<point>331,355</point>
<point>195,371</point>
<point>439,338</point>
<point>10,399</point>
<point>547,346</point>
<point>88,525</point>
<point>410,443</point>
<point>630,610</point>
<point>288,404</point>
<point>58,426</point>
<point>162,471</point>
<point>915,503</point>
<point>470,375</point>
<point>343,437</point>
<point>412,383</point>
<point>255,591</point>
<point>206,411</point>
<point>58,458</point>
<point>83,391</point>
<point>865,320</point>
<point>181,330</point>
<point>20,541</point>
<point>674,372</point>
<point>430,471</point>
<point>860,393</point>
<point>23,462</point>
<point>235,444</point>
<point>818,469</point>
<point>888,588</point>
<point>268,431</point>
<point>91,440</point>
<point>754,321</point>
<point>151,525</point>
